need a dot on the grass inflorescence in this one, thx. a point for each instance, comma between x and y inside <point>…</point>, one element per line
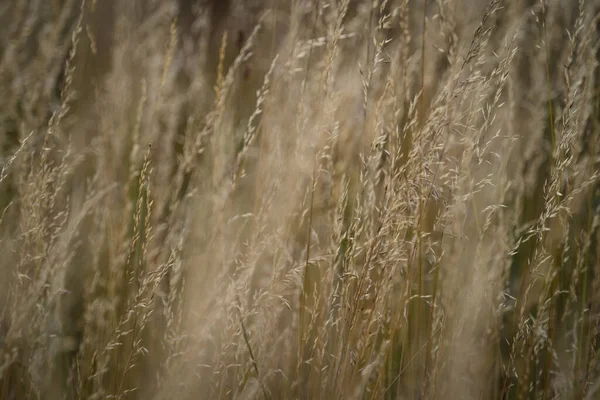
<point>350,199</point>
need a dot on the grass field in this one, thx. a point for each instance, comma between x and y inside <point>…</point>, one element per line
<point>314,199</point>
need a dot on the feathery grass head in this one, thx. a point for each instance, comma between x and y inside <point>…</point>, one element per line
<point>354,199</point>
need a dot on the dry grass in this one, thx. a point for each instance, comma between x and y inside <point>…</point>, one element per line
<point>385,199</point>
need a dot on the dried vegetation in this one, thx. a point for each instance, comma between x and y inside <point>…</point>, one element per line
<point>334,199</point>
